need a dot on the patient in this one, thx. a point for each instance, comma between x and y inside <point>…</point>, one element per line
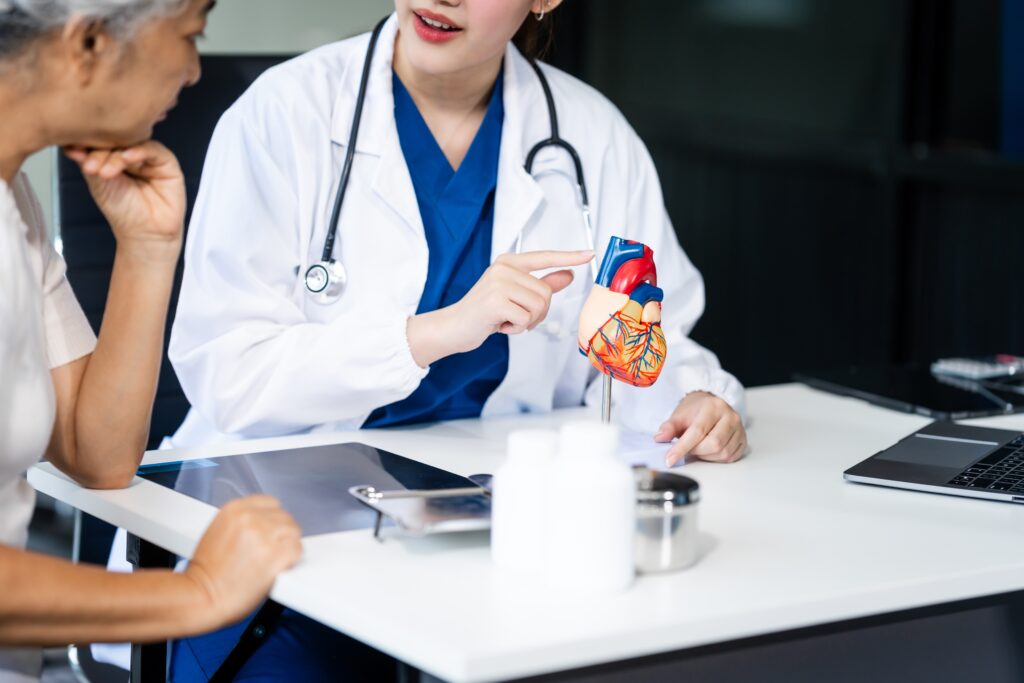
<point>94,76</point>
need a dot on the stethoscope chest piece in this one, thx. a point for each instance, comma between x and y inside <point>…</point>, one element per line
<point>325,281</point>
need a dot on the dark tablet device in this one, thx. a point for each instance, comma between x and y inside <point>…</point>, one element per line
<point>913,389</point>
<point>311,483</point>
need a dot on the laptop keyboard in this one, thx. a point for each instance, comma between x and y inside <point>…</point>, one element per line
<point>1001,471</point>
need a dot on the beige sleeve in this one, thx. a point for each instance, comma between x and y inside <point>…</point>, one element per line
<point>68,334</point>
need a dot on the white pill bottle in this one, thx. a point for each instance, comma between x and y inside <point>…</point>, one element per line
<point>519,516</point>
<point>591,508</point>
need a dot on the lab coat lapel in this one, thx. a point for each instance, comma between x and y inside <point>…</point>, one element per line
<point>378,134</point>
<point>517,206</point>
<point>518,196</point>
<point>392,182</point>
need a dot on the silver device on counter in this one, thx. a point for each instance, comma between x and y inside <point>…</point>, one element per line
<point>666,521</point>
<point>666,536</point>
<point>426,512</point>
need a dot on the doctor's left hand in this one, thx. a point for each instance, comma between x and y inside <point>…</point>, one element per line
<point>141,192</point>
<point>707,427</point>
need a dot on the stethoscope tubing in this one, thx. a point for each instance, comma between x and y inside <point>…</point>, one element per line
<point>353,138</point>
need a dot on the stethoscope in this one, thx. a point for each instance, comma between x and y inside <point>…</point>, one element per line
<point>326,280</point>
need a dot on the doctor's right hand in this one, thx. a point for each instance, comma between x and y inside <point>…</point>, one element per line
<point>247,545</point>
<point>506,299</point>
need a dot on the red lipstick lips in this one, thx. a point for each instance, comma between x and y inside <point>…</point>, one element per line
<point>435,28</point>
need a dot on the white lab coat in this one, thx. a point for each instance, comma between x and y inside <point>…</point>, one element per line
<point>257,357</point>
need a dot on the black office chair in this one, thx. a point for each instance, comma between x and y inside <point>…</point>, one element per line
<point>89,252</point>
<point>88,242</point>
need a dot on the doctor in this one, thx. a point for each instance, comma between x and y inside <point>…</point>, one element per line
<point>453,282</point>
<point>463,273</point>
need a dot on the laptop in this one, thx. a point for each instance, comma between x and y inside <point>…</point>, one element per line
<point>953,459</point>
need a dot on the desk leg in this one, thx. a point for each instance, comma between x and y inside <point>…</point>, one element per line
<point>149,662</point>
<point>1015,617</point>
<point>410,674</point>
<point>406,673</point>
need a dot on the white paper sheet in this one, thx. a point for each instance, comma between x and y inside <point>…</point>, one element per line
<point>639,448</point>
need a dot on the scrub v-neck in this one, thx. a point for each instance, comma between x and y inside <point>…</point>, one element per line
<point>457,210</point>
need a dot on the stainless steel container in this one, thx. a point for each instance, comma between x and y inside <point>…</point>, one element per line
<point>666,521</point>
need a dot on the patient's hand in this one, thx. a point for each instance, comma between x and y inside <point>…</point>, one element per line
<point>141,192</point>
<point>236,562</point>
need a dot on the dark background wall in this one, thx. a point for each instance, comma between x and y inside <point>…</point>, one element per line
<point>843,172</point>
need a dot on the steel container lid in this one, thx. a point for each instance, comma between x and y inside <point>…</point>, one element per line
<point>658,488</point>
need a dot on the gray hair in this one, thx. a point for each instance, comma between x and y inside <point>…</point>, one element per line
<point>22,21</point>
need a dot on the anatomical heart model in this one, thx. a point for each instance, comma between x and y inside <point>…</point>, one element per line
<point>620,326</point>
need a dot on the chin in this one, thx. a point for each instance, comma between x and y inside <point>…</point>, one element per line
<point>435,60</point>
<point>436,65</point>
<point>116,139</point>
<point>135,137</point>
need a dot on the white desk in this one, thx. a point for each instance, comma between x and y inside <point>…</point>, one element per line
<point>787,543</point>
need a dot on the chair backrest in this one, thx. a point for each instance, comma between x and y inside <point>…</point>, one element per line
<point>88,242</point>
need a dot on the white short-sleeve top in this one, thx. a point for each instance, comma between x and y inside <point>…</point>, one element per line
<point>41,327</point>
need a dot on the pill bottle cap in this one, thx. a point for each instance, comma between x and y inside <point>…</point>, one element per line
<point>589,439</point>
<point>532,446</point>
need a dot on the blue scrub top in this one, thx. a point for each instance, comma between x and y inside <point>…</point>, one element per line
<point>457,209</point>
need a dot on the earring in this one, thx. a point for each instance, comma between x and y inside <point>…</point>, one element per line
<point>543,11</point>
